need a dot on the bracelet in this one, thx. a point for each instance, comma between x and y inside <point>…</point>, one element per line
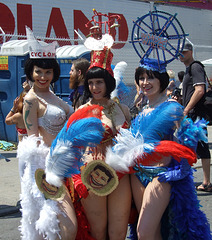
<point>12,111</point>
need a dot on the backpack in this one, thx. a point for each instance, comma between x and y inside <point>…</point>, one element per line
<point>208,94</point>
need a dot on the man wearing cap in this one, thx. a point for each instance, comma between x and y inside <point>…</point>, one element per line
<point>194,86</point>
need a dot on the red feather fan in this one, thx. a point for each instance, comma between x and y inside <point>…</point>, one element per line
<point>86,112</point>
<point>168,148</point>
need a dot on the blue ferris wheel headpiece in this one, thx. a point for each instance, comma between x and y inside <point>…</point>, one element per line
<point>158,38</point>
<point>153,64</point>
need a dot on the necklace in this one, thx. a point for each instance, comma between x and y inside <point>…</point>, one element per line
<point>109,111</point>
<point>162,99</point>
<point>110,108</point>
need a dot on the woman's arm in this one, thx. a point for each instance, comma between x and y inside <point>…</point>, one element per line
<point>126,112</point>
<point>13,118</point>
<point>30,114</point>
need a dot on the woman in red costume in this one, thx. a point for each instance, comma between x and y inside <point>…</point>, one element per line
<point>107,215</point>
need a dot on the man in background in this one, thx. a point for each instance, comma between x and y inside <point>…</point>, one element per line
<point>194,88</point>
<point>76,82</point>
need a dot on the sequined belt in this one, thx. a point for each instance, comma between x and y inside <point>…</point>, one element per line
<point>146,174</point>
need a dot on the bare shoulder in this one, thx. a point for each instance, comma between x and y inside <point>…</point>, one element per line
<point>126,111</point>
<point>82,106</point>
<point>124,107</point>
<point>30,101</point>
<point>30,97</point>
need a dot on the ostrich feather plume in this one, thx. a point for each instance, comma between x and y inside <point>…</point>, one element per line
<point>121,91</point>
<point>126,150</point>
<point>135,144</point>
<point>191,132</point>
<point>67,149</point>
<point>158,123</point>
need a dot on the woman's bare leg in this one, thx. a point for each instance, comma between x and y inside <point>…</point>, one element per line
<point>119,205</point>
<point>96,212</point>
<point>137,191</point>
<point>68,223</point>
<point>155,200</point>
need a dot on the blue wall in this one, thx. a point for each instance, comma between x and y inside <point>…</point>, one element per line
<point>10,87</point>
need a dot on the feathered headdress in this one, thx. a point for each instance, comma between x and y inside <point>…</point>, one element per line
<point>153,64</point>
<point>122,91</point>
<point>99,43</point>
<point>157,38</point>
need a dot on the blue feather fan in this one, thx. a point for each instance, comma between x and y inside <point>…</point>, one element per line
<point>69,146</point>
<point>191,132</point>
<point>152,127</point>
<point>123,91</point>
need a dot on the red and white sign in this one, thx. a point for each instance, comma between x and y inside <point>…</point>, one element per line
<point>59,19</point>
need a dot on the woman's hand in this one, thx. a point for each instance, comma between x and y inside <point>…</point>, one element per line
<point>15,104</point>
<point>26,86</point>
<point>176,174</point>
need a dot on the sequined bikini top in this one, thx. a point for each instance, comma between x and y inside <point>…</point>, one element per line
<point>53,119</point>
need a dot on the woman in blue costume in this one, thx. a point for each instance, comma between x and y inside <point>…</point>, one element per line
<point>162,185</point>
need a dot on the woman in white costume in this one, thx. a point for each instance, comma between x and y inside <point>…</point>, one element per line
<point>44,115</point>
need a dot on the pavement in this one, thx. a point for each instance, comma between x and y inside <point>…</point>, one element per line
<point>10,187</point>
<point>10,182</point>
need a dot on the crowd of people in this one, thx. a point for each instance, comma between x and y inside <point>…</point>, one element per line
<point>155,193</point>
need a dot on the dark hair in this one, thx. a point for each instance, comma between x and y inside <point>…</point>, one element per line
<point>181,75</point>
<point>97,72</point>
<point>81,64</point>
<point>50,63</point>
<point>176,92</point>
<point>103,169</point>
<point>162,77</point>
<point>20,101</point>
